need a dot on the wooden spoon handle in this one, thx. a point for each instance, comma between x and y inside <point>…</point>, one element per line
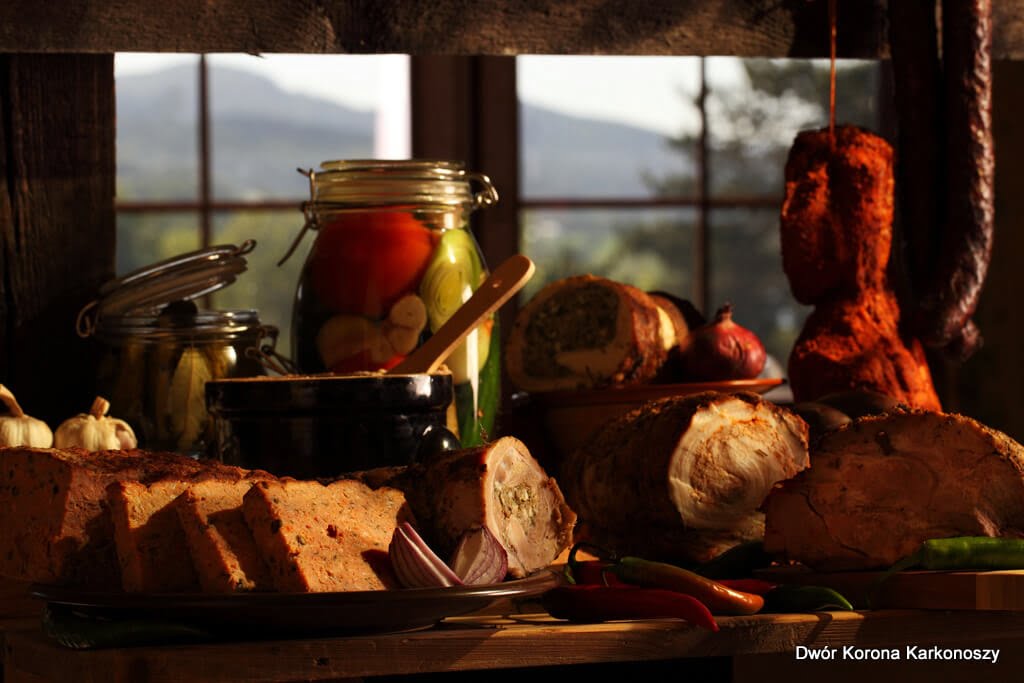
<point>503,283</point>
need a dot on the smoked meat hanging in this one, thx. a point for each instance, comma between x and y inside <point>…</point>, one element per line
<point>837,232</point>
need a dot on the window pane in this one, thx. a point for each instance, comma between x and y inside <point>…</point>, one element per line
<point>273,114</point>
<point>757,106</point>
<point>143,239</point>
<point>264,286</point>
<point>604,126</point>
<point>746,270</point>
<point>157,105</point>
<point>651,249</point>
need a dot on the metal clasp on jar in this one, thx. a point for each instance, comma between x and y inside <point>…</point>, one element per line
<point>488,196</point>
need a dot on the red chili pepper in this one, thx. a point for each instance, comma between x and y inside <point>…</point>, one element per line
<point>719,598</point>
<point>609,603</point>
<point>593,573</point>
<point>716,596</point>
<point>755,586</point>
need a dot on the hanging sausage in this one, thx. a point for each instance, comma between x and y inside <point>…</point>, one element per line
<point>943,98</point>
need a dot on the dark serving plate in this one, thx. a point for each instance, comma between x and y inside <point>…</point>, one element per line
<point>277,614</point>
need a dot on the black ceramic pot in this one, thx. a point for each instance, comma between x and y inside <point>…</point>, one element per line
<point>322,426</point>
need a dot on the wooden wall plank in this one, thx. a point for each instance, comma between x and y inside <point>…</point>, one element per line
<point>767,28</point>
<point>57,225</point>
<point>751,28</point>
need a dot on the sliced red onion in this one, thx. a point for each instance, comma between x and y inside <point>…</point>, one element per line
<point>415,564</point>
<point>480,558</point>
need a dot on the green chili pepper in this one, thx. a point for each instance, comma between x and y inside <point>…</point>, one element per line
<point>985,553</point>
<point>790,598</point>
<point>966,552</point>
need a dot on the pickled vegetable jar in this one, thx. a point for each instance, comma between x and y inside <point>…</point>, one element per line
<point>393,259</point>
<point>158,349</point>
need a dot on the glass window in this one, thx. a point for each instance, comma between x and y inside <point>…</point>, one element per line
<point>264,118</point>
<point>624,175</point>
<point>144,238</point>
<point>264,285</point>
<point>756,107</point>
<point>271,115</point>
<point>651,249</point>
<point>157,120</point>
<point>604,126</point>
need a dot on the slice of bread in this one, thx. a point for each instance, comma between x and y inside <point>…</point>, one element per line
<point>150,542</point>
<point>223,550</point>
<point>324,538</point>
<point>56,526</point>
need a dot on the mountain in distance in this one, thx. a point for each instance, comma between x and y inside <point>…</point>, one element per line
<point>261,133</point>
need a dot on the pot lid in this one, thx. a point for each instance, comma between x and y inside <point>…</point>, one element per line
<point>146,291</point>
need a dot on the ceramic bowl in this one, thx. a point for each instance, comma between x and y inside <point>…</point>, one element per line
<point>321,426</point>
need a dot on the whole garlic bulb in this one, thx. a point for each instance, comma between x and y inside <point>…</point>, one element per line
<point>18,429</point>
<point>94,431</point>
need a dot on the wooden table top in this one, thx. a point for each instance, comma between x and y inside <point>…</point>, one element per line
<point>502,642</point>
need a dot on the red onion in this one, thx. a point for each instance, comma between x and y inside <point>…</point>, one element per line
<point>415,564</point>
<point>480,558</point>
<point>722,350</point>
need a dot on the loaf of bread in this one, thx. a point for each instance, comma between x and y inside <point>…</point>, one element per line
<point>53,502</point>
<point>325,537</point>
<point>587,331</point>
<point>220,543</point>
<point>148,535</point>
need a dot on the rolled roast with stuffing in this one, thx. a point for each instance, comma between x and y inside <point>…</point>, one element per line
<point>682,478</point>
<point>882,485</point>
<point>587,331</point>
<point>499,485</point>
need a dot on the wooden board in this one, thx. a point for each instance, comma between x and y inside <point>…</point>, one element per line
<point>997,590</point>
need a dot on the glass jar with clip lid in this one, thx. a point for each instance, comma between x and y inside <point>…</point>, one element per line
<point>393,258</point>
<point>158,348</point>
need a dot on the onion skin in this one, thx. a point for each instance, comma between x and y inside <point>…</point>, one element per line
<point>722,350</point>
<point>480,559</point>
<point>415,564</point>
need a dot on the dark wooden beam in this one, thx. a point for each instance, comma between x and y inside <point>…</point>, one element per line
<point>753,28</point>
<point>56,223</point>
<point>474,117</point>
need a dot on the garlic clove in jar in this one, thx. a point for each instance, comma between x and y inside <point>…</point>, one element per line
<point>94,431</point>
<point>19,429</point>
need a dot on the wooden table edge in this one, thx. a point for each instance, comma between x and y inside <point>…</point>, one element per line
<point>515,641</point>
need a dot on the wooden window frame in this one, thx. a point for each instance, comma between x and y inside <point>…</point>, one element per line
<point>464,108</point>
